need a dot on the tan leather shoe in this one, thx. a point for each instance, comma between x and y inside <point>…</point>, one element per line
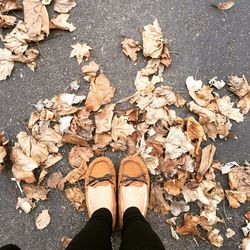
<point>133,185</point>
<point>100,186</point>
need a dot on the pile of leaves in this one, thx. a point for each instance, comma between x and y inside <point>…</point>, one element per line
<point>173,147</point>
<point>34,27</point>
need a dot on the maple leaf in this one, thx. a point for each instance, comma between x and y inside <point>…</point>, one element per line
<point>100,92</point>
<point>80,51</point>
<point>130,47</point>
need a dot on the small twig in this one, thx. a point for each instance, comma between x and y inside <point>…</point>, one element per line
<point>18,185</point>
<point>174,52</point>
<point>197,73</point>
<point>41,51</point>
<point>12,12</point>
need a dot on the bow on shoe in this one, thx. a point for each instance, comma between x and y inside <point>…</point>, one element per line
<point>94,180</point>
<point>130,179</point>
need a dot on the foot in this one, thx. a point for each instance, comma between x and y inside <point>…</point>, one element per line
<point>134,185</point>
<point>100,186</point>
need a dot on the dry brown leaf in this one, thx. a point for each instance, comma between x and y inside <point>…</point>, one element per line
<point>32,148</point>
<point>42,176</point>
<point>25,204</point>
<point>239,86</point>
<point>226,108</point>
<point>64,6</point>
<point>76,196</point>
<point>43,219</point>
<point>102,140</point>
<point>8,5</point>
<point>6,63</point>
<point>3,154</point>
<point>235,198</point>
<point>120,128</point>
<point>225,6</point>
<point>22,166</point>
<point>80,51</point>
<point>167,165</point>
<point>7,21</point>
<point>90,70</point>
<point>207,157</point>
<point>157,200</point>
<point>36,18</point>
<point>239,179</point>
<point>74,139</point>
<point>215,238</point>
<point>230,233</point>
<point>174,187</point>
<point>76,174</point>
<point>56,181</point>
<point>153,41</point>
<point>177,143</point>
<point>51,160</point>
<point>35,192</point>
<point>100,92</point>
<point>190,225</point>
<point>247,215</point>
<point>60,22</point>
<point>103,118</point>
<point>195,132</point>
<point>65,241</point>
<point>178,207</point>
<point>79,155</point>
<point>130,47</point>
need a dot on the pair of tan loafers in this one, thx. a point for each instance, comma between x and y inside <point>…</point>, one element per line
<point>101,185</point>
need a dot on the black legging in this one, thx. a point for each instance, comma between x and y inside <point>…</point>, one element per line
<point>137,234</point>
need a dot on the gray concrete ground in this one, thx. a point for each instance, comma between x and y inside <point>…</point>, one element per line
<point>203,41</point>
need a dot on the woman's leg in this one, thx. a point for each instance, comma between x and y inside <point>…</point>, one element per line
<point>137,234</point>
<point>96,234</point>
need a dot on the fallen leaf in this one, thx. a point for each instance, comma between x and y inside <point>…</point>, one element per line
<point>228,167</point>
<point>247,215</point>
<point>239,179</point>
<point>22,166</point>
<point>43,219</point>
<point>230,233</point>
<point>216,83</point>
<point>74,86</point>
<point>7,21</point>
<point>207,156</point>
<point>76,174</point>
<point>80,51</point>
<point>174,234</point>
<point>239,86</point>
<point>60,22</point>
<point>215,238</point>
<point>167,165</point>
<point>35,192</point>
<point>65,241</point>
<point>153,41</point>
<point>52,160</point>
<point>246,229</point>
<point>177,143</point>
<point>103,118</point>
<point>56,181</point>
<point>76,196</point>
<point>6,64</point>
<point>42,176</point>
<point>79,155</point>
<point>235,198</point>
<point>178,207</point>
<point>8,5</point>
<point>121,128</point>
<point>46,2</point>
<point>130,47</point>
<point>36,18</point>
<point>90,71</point>
<point>225,6</point>
<point>190,225</point>
<point>102,140</point>
<point>157,200</point>
<point>74,139</point>
<point>174,187</point>
<point>171,221</point>
<point>100,92</point>
<point>64,6</point>
<point>25,204</point>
